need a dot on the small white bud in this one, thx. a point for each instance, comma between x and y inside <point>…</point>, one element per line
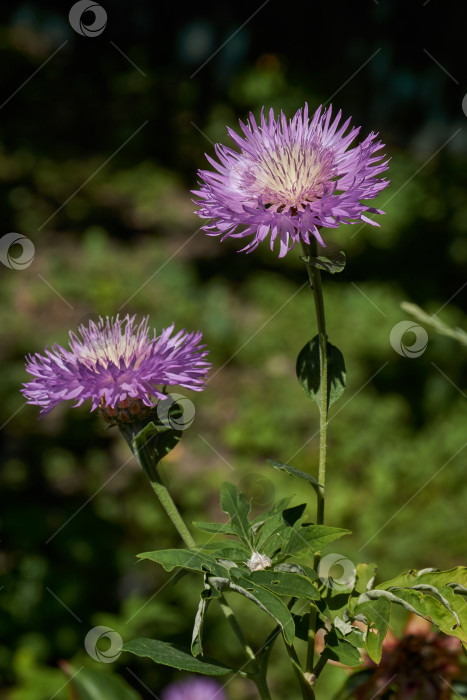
<point>258,562</point>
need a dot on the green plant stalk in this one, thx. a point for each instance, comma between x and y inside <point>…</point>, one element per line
<point>230,616</point>
<point>259,675</point>
<point>314,275</point>
<point>307,690</point>
<point>262,686</point>
<point>172,511</point>
<point>145,459</point>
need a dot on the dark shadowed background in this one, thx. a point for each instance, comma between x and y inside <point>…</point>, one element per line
<point>100,140</point>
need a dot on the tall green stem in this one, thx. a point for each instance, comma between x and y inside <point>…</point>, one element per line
<point>314,275</point>
<point>145,457</point>
<point>171,509</point>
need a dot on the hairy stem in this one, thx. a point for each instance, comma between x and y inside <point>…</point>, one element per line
<point>172,511</point>
<point>314,275</point>
<point>145,458</point>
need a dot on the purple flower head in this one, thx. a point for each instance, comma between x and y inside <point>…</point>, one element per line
<point>116,363</point>
<point>289,178</point>
<point>194,688</point>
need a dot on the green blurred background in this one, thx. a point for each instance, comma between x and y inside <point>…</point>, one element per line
<point>75,509</point>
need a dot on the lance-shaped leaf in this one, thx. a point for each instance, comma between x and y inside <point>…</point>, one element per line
<point>174,656</point>
<point>338,648</point>
<point>309,371</point>
<point>205,600</point>
<point>236,505</point>
<point>295,472</point>
<point>364,577</point>
<point>215,528</point>
<point>152,443</point>
<point>308,539</point>
<point>263,598</point>
<point>285,583</point>
<point>448,587</point>
<point>376,614</point>
<point>185,558</point>
<point>334,261</point>
<point>227,549</point>
<point>420,602</point>
<point>276,531</point>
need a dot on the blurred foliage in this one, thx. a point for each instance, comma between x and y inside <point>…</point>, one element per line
<point>114,232</point>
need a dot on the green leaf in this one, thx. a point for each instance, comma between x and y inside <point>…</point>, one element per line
<point>377,615</point>
<point>423,604</point>
<point>276,531</point>
<point>185,558</point>
<point>311,538</point>
<point>152,443</point>
<point>334,261</point>
<point>285,583</point>
<point>264,517</point>
<point>295,472</point>
<point>236,505</point>
<point>216,528</point>
<point>91,684</point>
<point>263,598</point>
<point>171,655</point>
<point>338,648</point>
<point>364,577</point>
<point>309,371</point>
<point>205,600</point>
<point>227,549</point>
<point>447,587</point>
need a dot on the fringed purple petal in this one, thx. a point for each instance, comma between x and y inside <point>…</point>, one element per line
<point>114,360</point>
<point>290,178</point>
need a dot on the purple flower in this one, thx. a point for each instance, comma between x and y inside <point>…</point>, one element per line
<point>194,688</point>
<point>289,178</point>
<point>116,363</point>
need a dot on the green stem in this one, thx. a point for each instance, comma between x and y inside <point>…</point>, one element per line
<point>322,661</point>
<point>307,691</point>
<point>314,275</point>
<point>230,616</point>
<point>171,509</point>
<point>145,458</point>
<point>262,686</point>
